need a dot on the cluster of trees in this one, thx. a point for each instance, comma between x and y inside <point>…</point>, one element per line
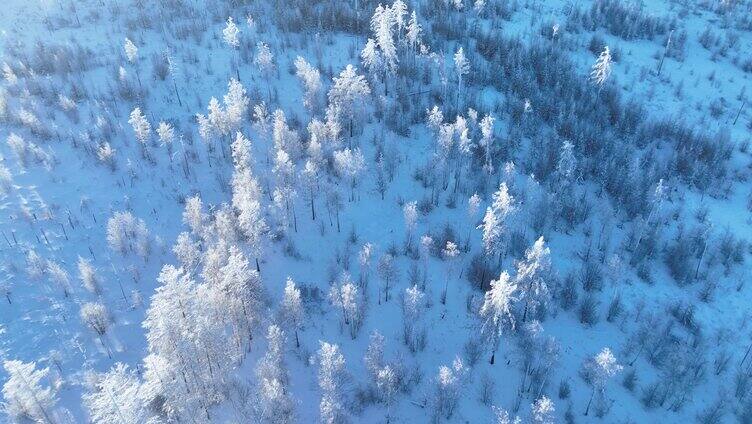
<point>627,21</point>
<point>200,324</point>
<point>541,158</point>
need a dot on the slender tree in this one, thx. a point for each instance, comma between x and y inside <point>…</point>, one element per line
<point>97,317</point>
<point>494,224</point>
<point>24,394</point>
<point>461,68</point>
<point>330,377</point>
<point>231,37</point>
<point>292,309</point>
<point>601,69</point>
<point>310,78</point>
<point>496,311</point>
<point>598,369</point>
<point>347,95</point>
<point>116,398</point>
<point>274,403</point>
<point>533,278</point>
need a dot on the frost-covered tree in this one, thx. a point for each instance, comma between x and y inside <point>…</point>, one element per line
<point>494,222</point>
<point>533,278</point>
<point>213,260</point>
<point>106,155</point>
<point>284,173</point>
<point>265,62</point>
<point>261,120</point>
<point>205,129</point>
<point>434,120</point>
<point>347,96</point>
<point>116,398</point>
<point>538,355</point>
<point>486,128</point>
<point>309,178</point>
<point>388,273</point>
<point>224,119</point>
<point>399,11</point>
<point>131,51</point>
<point>448,388</point>
<point>187,251</point>
<point>382,25</point>
<point>413,331</point>
<point>246,197</point>
<point>543,411</point>
<point>174,72</point>
<point>9,75</point>
<point>274,404</point>
<point>19,146</point>
<point>6,180</point>
<point>410,213</point>
<point>24,394</point>
<point>236,105</point>
<point>193,215</point>
<point>414,32</point>
<point>426,246</point>
<point>97,318</point>
<point>166,135</point>
<point>88,276</point>
<point>345,296</point>
<point>497,311</point>
<point>36,266</point>
<point>501,416</point>
<point>141,126</point>
<point>461,68</point>
<point>271,365</point>
<point>291,310</point>
<point>350,164</point>
<point>126,233</point>
<point>231,37</point>
<point>324,137</point>
<point>331,377</point>
<point>244,183</point>
<point>240,150</point>
<point>444,149</point>
<point>464,145</point>
<point>187,341</point>
<point>238,296</point>
<point>597,370</point>
<point>131,54</point>
<point>479,6</point>
<point>224,226</point>
<point>566,166</point>
<point>374,357</point>
<point>285,138</point>
<point>310,77</point>
<point>601,69</point>
<point>364,259</point>
<point>333,203</point>
<point>264,58</point>
<point>450,253</point>
<point>659,196</point>
<point>386,382</point>
<point>371,57</point>
<point>231,33</point>
<point>58,276</point>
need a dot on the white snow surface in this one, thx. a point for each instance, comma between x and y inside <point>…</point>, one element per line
<point>61,214</point>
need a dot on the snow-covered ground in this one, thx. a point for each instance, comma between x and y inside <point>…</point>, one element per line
<point>69,87</point>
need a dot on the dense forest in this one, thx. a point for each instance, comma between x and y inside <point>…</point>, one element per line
<point>283,211</point>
